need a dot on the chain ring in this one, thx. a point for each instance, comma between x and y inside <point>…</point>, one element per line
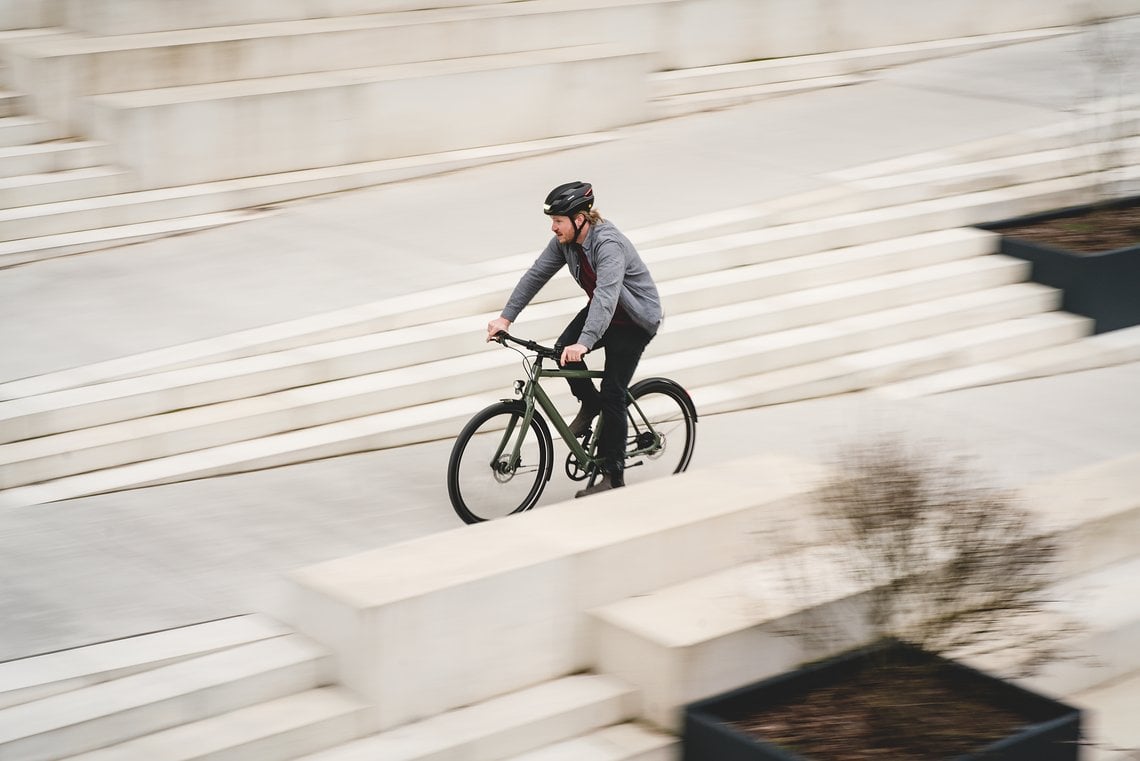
<point>575,470</point>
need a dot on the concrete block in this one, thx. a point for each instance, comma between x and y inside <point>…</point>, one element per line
<point>713,633</point>
<point>202,133</point>
<point>533,575</point>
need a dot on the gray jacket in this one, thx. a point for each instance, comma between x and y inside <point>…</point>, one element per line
<point>623,279</point>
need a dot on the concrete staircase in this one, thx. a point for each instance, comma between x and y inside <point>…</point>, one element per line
<point>166,120</point>
<point>247,687</point>
<point>873,286</point>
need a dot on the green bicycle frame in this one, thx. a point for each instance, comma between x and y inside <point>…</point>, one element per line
<point>533,394</point>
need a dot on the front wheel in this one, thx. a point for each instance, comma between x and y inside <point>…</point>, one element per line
<point>485,479</point>
<point>662,430</point>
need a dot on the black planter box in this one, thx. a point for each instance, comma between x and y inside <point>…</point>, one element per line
<point>1051,731</point>
<point>1104,286</point>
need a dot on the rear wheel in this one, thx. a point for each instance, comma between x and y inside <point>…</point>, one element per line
<point>484,479</point>
<point>662,431</point>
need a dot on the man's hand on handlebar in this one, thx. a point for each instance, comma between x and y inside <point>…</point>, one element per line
<point>573,353</point>
<point>496,326</point>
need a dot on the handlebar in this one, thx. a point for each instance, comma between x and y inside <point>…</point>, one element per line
<point>546,352</point>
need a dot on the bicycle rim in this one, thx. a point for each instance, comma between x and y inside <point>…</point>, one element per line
<point>482,483</point>
<point>661,421</point>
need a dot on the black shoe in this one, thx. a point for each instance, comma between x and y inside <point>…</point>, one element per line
<point>604,484</point>
<point>581,422</point>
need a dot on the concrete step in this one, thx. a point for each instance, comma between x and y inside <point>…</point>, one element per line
<point>875,367</point>
<point>276,730</point>
<point>720,631</point>
<point>59,72</point>
<point>68,185</point>
<point>853,272</point>
<point>115,17</point>
<point>843,63</point>
<point>26,130</point>
<point>50,229</point>
<point>969,177</point>
<point>501,727</point>
<point>621,742</point>
<point>185,430</point>
<point>27,251</point>
<point>51,157</point>
<point>704,88</point>
<point>11,104</point>
<point>32,678</point>
<point>1103,350</point>
<point>305,121</point>
<point>116,711</point>
<point>691,103</point>
<point>1089,126</point>
<point>442,419</point>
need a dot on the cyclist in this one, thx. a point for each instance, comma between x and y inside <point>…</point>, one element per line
<point>623,314</point>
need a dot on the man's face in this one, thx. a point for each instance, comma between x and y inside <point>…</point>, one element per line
<point>563,228</point>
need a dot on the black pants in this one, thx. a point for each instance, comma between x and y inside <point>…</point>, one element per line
<point>624,345</point>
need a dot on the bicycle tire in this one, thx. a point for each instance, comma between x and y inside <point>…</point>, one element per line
<point>669,409</point>
<point>479,486</point>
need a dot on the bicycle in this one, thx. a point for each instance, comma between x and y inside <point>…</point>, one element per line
<point>504,457</point>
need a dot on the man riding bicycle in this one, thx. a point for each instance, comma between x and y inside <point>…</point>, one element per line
<point>622,316</point>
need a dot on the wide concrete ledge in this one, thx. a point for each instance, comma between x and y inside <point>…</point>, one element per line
<point>413,626</point>
<point>280,124</point>
<point>710,32</point>
<point>714,633</point>
<point>121,17</point>
<point>57,72</point>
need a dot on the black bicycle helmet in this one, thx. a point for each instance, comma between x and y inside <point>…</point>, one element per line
<point>569,199</point>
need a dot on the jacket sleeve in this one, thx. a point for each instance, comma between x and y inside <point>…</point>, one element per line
<point>548,262</point>
<point>610,268</point>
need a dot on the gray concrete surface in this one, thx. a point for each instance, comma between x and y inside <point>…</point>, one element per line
<point>110,566</point>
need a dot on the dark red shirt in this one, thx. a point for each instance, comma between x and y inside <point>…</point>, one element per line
<point>588,279</point>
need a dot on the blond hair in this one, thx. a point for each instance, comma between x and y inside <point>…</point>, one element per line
<point>593,216</point>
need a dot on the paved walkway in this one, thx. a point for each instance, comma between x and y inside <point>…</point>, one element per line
<point>121,564</point>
